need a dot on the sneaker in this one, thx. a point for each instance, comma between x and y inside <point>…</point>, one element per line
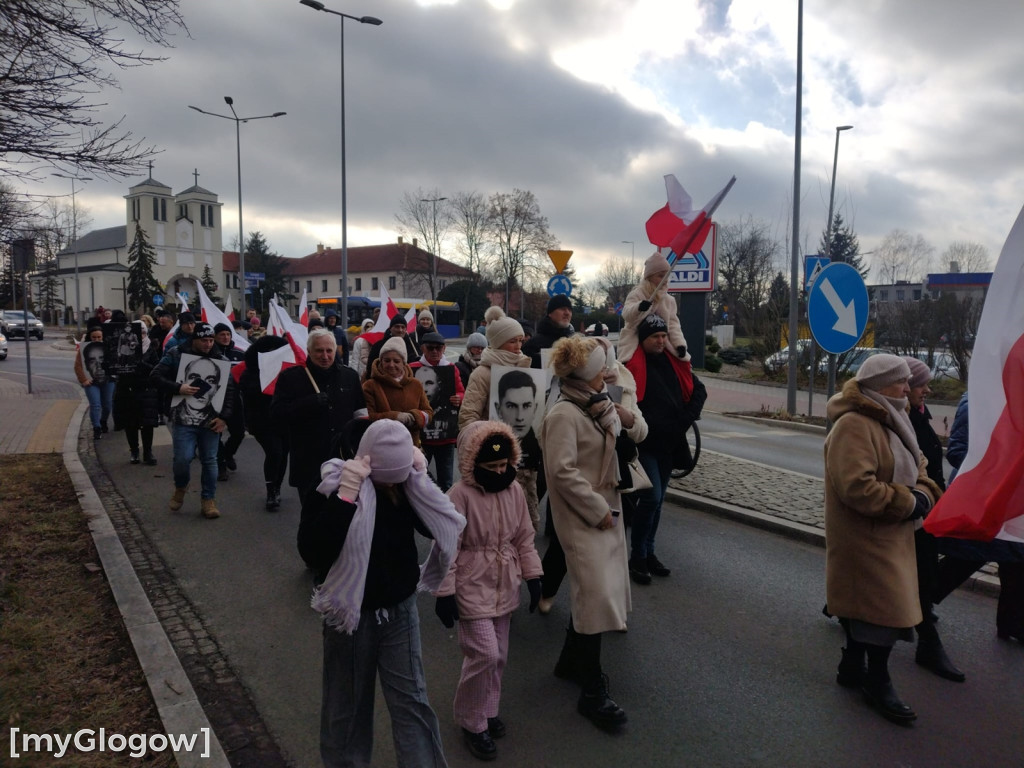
<point>639,572</point>
<point>135,458</point>
<point>480,744</point>
<point>656,567</point>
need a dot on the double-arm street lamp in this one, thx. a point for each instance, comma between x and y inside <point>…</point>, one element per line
<point>238,144</point>
<point>318,6</point>
<point>74,241</point>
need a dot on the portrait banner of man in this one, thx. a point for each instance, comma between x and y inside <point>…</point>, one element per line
<point>94,361</point>
<point>211,377</point>
<point>123,343</point>
<point>439,387</point>
<point>517,398</point>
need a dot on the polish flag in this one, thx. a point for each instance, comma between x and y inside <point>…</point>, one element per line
<point>677,225</point>
<point>272,363</point>
<point>182,307</point>
<point>410,320</point>
<point>213,315</point>
<point>304,310</point>
<point>986,500</point>
<point>283,325</point>
<point>228,311</point>
<point>383,325</point>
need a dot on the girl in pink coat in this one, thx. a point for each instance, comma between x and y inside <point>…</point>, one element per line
<point>495,553</point>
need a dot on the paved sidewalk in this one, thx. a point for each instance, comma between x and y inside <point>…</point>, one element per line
<point>36,423</point>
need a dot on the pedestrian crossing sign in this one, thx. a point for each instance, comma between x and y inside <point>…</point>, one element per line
<point>812,268</point>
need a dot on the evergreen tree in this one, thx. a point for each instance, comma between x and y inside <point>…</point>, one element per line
<point>210,285</point>
<point>259,258</point>
<point>845,247</point>
<point>142,284</point>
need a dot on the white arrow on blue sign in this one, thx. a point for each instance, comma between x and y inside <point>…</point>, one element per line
<point>559,284</point>
<point>837,308</point>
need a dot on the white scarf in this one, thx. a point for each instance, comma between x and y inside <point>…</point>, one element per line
<point>340,598</point>
<point>902,439</point>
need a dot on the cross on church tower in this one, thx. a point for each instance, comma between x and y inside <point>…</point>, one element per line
<point>195,176</point>
<point>150,169</point>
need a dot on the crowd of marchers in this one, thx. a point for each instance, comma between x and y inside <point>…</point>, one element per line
<point>358,433</point>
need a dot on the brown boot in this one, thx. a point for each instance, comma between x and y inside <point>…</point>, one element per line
<point>209,508</point>
<point>177,499</point>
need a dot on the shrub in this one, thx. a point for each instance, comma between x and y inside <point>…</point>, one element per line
<point>708,339</point>
<point>712,364</point>
<point>735,355</point>
<point>713,347</point>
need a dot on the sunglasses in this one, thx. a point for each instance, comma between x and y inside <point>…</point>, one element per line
<point>433,347</point>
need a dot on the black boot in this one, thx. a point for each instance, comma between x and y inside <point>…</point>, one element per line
<point>931,655</point>
<point>879,691</point>
<point>222,471</point>
<point>97,433</point>
<point>148,458</point>
<point>135,456</point>
<point>480,744</point>
<point>273,495</point>
<point>596,705</point>
<point>852,668</point>
<point>568,666</point>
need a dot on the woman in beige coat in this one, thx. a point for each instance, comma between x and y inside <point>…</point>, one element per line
<point>578,441</point>
<point>876,486</point>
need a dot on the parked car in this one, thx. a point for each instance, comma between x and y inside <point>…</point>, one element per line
<point>12,323</point>
<point>589,331</point>
<point>3,347</point>
<point>848,362</point>
<point>777,361</point>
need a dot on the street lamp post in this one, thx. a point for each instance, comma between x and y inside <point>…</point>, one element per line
<point>828,247</point>
<point>794,268</point>
<point>238,154</point>
<point>318,6</point>
<point>74,240</point>
<point>436,247</point>
<point>632,253</point>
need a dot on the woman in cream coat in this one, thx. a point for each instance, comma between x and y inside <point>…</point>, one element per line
<point>578,442</point>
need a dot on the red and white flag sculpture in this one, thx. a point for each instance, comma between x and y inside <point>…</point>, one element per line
<point>987,499</point>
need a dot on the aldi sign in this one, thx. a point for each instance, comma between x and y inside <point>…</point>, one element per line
<point>695,272</point>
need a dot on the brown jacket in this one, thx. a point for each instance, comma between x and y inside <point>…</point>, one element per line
<point>387,398</point>
<point>870,564</point>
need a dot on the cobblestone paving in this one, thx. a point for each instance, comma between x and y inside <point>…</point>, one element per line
<point>771,491</point>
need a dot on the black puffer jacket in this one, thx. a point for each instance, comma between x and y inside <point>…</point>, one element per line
<point>257,404</point>
<point>547,334</point>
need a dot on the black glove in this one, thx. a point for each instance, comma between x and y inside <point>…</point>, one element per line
<point>921,504</point>
<point>322,399</point>
<point>644,306</point>
<point>681,350</point>
<point>447,610</point>
<point>534,586</point>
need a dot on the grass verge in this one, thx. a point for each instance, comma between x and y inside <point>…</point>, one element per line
<point>66,661</point>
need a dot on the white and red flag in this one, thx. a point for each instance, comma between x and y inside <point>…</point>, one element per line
<point>294,353</point>
<point>303,310</point>
<point>228,310</point>
<point>213,315</point>
<point>676,225</point>
<point>986,501</point>
<point>382,327</point>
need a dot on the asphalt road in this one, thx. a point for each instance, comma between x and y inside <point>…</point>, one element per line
<point>728,662</point>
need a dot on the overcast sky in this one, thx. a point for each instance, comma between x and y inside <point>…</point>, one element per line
<point>588,103</point>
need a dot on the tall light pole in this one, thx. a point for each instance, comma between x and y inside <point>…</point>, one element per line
<point>74,240</point>
<point>828,246</point>
<point>318,6</point>
<point>238,153</point>
<point>794,265</point>
<point>436,247</point>
<point>632,253</point>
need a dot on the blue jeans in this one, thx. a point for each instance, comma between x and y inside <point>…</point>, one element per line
<point>101,401</point>
<point>186,440</point>
<point>387,642</point>
<point>658,467</point>
<point>444,463</point>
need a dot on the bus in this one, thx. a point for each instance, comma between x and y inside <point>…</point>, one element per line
<point>447,314</point>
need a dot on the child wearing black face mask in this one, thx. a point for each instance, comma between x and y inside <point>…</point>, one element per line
<point>495,554</point>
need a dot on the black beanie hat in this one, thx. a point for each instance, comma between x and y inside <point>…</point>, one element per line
<point>496,446</point>
<point>203,331</point>
<point>221,327</point>
<point>558,301</point>
<point>186,317</point>
<point>650,325</point>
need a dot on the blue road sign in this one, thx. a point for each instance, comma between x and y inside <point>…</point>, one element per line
<point>618,308</point>
<point>158,299</point>
<point>837,308</point>
<point>813,265</point>
<point>559,284</point>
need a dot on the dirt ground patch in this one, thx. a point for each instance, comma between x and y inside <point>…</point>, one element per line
<point>66,662</point>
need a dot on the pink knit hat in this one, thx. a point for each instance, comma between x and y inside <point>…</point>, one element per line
<point>655,263</point>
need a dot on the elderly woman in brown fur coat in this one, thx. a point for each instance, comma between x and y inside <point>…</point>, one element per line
<point>876,486</point>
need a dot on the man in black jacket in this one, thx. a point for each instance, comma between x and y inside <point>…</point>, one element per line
<point>311,404</point>
<point>198,419</point>
<point>557,324</point>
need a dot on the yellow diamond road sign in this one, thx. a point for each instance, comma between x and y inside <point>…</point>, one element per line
<point>559,259</point>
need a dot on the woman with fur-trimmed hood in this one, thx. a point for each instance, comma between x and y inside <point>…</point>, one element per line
<point>578,441</point>
<point>494,555</point>
<point>647,298</point>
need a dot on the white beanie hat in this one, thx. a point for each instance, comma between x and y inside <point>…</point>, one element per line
<point>879,371</point>
<point>501,330</point>
<point>395,344</point>
<point>655,263</point>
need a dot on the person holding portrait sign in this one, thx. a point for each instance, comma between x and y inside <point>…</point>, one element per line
<point>91,370</point>
<point>443,386</point>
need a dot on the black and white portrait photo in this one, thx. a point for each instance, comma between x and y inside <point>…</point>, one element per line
<point>124,347</point>
<point>94,360</point>
<point>439,387</point>
<point>211,378</point>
